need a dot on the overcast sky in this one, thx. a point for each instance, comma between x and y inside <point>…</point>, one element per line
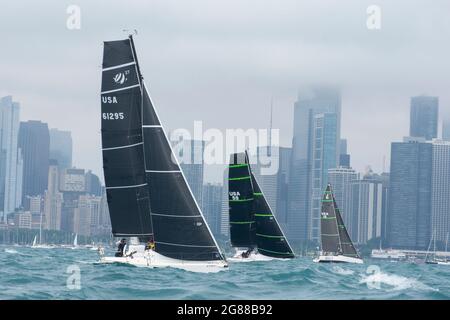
<point>221,61</point>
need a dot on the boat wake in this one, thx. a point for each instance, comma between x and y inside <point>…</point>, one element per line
<point>394,282</point>
<point>342,271</point>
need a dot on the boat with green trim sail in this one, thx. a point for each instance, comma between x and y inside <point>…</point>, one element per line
<point>336,243</point>
<point>254,230</point>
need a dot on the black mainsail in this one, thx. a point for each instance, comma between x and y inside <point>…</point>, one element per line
<point>170,211</point>
<point>240,200</point>
<point>334,236</point>
<point>252,223</point>
<point>269,236</point>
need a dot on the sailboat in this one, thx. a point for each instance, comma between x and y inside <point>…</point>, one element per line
<point>336,243</point>
<point>147,193</point>
<point>254,230</point>
<point>38,244</point>
<point>34,241</point>
<point>433,258</point>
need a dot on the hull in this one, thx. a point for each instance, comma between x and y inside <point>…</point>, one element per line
<point>445,263</point>
<point>254,256</point>
<point>338,259</point>
<point>152,259</point>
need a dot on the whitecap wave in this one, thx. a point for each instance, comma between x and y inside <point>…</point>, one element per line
<point>11,251</point>
<point>394,282</point>
<point>342,271</point>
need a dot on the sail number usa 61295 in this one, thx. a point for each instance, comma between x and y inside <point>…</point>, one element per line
<point>113,116</point>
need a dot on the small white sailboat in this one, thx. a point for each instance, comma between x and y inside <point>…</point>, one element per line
<point>38,244</point>
<point>336,243</point>
<point>433,258</point>
<point>148,196</point>
<point>34,241</point>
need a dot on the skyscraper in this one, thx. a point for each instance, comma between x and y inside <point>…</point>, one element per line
<point>53,199</point>
<point>367,209</point>
<point>267,182</point>
<point>212,206</point>
<point>282,186</point>
<point>61,148</point>
<point>440,204</point>
<point>410,194</point>
<point>34,141</point>
<point>424,117</point>
<point>341,181</point>
<point>344,157</point>
<point>11,162</point>
<point>224,217</point>
<point>93,184</point>
<point>315,146</point>
<point>190,154</point>
<point>446,130</point>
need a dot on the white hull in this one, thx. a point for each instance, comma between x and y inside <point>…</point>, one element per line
<point>338,259</point>
<point>152,259</point>
<point>254,256</point>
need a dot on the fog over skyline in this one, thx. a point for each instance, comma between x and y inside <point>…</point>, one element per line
<point>221,62</point>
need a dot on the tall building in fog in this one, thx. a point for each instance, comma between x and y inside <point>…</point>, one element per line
<point>440,203</point>
<point>424,117</point>
<point>190,155</point>
<point>315,149</point>
<point>93,184</point>
<point>212,206</point>
<point>225,217</point>
<point>446,130</point>
<point>410,194</point>
<point>72,186</point>
<point>282,186</point>
<point>367,209</point>
<point>86,215</point>
<point>61,148</point>
<point>53,199</point>
<point>34,141</point>
<point>341,181</point>
<point>344,157</point>
<point>11,162</point>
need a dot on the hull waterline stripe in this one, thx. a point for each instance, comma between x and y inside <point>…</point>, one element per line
<point>125,187</point>
<point>184,245</point>
<point>174,216</point>
<point>122,147</point>
<point>119,66</point>
<point>121,89</point>
<point>162,171</point>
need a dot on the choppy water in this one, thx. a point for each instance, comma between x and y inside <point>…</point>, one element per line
<point>27,273</point>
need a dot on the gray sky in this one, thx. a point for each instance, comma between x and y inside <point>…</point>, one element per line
<point>221,61</point>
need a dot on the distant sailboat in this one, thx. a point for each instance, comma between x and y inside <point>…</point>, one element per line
<point>336,243</point>
<point>432,258</point>
<point>34,241</point>
<point>75,241</point>
<point>147,193</point>
<point>254,230</point>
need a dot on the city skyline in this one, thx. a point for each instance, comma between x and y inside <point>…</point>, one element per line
<point>302,43</point>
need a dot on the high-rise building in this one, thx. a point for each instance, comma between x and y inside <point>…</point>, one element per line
<point>440,192</point>
<point>61,148</point>
<point>367,209</point>
<point>86,215</point>
<point>34,141</point>
<point>225,216</point>
<point>72,186</point>
<point>190,155</point>
<point>424,117</point>
<point>344,157</point>
<point>36,206</point>
<point>212,206</point>
<point>341,181</point>
<point>93,184</point>
<point>410,194</point>
<point>315,149</point>
<point>282,186</point>
<point>446,130</point>
<point>11,161</point>
<point>267,160</point>
<point>53,199</point>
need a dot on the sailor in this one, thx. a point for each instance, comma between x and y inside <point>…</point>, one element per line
<point>121,247</point>
<point>150,245</point>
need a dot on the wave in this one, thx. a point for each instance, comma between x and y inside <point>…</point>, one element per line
<point>394,282</point>
<point>342,271</point>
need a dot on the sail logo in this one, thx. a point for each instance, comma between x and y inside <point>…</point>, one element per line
<point>108,99</point>
<point>324,214</point>
<point>121,77</point>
